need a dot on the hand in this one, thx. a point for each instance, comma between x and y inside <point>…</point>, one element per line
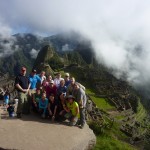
<point>53,118</point>
<point>72,119</point>
<point>81,106</point>
<point>67,110</point>
<point>50,113</point>
<point>24,90</point>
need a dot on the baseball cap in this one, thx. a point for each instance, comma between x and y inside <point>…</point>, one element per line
<point>51,82</point>
<point>34,70</point>
<point>66,74</point>
<point>70,97</point>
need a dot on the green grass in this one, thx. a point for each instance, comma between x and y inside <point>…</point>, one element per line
<point>141,112</point>
<point>106,142</point>
<point>100,102</point>
<point>109,139</point>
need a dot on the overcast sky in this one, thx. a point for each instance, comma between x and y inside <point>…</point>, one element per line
<point>118,29</point>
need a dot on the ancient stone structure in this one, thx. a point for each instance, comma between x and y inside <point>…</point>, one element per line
<point>7,83</point>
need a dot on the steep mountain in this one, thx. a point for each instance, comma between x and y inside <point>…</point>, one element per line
<point>86,51</point>
<point>47,60</point>
<point>27,47</point>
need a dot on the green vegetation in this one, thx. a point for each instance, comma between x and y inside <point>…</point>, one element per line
<point>108,138</point>
<point>141,112</point>
<point>102,103</point>
<point>74,58</point>
<point>106,142</point>
<point>55,62</point>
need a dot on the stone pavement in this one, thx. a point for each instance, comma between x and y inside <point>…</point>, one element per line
<point>32,132</point>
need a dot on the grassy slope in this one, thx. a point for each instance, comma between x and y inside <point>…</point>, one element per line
<point>102,103</point>
<point>112,139</point>
<point>141,113</point>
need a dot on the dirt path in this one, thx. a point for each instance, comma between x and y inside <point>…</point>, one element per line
<point>31,133</point>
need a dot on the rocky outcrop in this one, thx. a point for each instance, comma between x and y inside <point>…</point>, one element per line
<point>31,132</point>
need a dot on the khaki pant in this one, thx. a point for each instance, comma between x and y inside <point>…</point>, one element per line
<point>32,91</point>
<point>23,103</point>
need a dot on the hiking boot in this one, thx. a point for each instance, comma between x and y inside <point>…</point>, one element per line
<point>82,126</point>
<point>43,115</point>
<point>19,115</point>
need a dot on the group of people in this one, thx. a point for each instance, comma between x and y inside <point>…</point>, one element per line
<point>58,99</point>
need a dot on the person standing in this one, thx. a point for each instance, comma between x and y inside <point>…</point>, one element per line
<point>67,79</point>
<point>22,84</point>
<point>58,79</point>
<point>81,99</point>
<point>34,79</point>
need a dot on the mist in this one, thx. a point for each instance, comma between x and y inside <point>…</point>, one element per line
<point>118,30</point>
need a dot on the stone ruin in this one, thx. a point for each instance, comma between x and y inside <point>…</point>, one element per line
<point>7,83</point>
<point>93,113</point>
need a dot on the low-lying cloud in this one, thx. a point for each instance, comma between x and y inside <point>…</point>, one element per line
<point>119,30</point>
<point>6,41</point>
<point>34,53</point>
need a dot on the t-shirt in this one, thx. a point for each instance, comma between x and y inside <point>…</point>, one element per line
<point>23,81</point>
<point>79,94</point>
<point>37,97</point>
<point>33,81</point>
<point>67,83</point>
<point>61,90</point>
<point>73,108</point>
<point>51,90</point>
<point>43,103</point>
<point>10,109</point>
<point>57,81</point>
<point>53,105</point>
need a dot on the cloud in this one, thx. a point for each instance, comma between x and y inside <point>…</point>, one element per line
<point>34,53</point>
<point>119,30</point>
<point>6,41</point>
